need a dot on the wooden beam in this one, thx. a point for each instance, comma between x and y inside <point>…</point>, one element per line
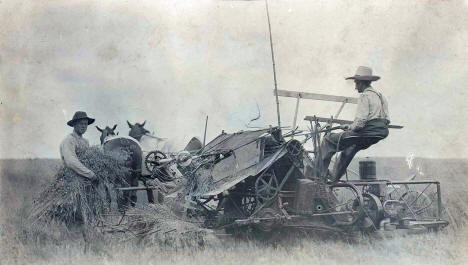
<point>295,115</point>
<point>341,122</point>
<point>339,111</point>
<point>304,95</point>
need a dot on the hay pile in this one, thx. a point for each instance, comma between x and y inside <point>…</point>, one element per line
<point>71,199</point>
<point>199,178</point>
<point>157,225</point>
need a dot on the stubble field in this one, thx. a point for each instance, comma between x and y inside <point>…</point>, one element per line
<point>21,180</point>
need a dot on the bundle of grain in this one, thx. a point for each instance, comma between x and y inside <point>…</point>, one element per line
<point>199,178</point>
<point>74,200</point>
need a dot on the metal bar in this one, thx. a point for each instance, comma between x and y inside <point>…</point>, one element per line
<point>295,115</point>
<point>419,195</point>
<point>341,108</point>
<point>439,202</point>
<point>382,181</point>
<point>415,182</point>
<point>318,132</point>
<point>307,215</point>
<point>137,188</point>
<point>286,177</point>
<point>332,213</point>
<point>316,96</point>
<point>316,151</point>
<point>428,222</point>
<point>322,119</point>
<point>315,227</point>
<point>319,152</point>
<point>274,66</point>
<point>365,183</point>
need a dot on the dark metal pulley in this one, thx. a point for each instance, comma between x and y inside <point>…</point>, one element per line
<point>153,164</point>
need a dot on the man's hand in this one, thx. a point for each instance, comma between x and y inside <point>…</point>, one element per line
<point>93,177</point>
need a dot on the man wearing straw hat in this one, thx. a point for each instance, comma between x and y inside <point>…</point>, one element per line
<point>369,126</point>
<point>74,141</point>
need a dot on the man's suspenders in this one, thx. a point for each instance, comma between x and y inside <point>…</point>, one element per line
<point>381,103</point>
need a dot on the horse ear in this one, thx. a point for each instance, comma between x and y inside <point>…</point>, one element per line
<point>129,124</point>
<point>99,129</point>
<point>143,124</point>
<point>115,126</point>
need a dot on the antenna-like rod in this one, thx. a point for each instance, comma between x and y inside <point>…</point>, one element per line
<point>274,66</point>
<point>204,135</point>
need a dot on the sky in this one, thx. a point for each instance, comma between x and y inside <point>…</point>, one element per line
<point>172,63</point>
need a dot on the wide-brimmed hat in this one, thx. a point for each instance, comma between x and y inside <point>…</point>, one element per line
<point>79,115</point>
<point>364,73</point>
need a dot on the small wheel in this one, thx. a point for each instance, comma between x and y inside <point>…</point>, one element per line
<point>152,159</point>
<point>418,204</point>
<point>248,202</point>
<point>241,202</point>
<point>294,148</point>
<point>266,186</point>
<point>153,165</point>
<point>352,202</point>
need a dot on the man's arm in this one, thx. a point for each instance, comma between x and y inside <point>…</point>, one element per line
<point>71,160</point>
<point>362,113</point>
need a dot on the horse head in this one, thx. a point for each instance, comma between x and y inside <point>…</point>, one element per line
<point>137,130</point>
<point>106,132</point>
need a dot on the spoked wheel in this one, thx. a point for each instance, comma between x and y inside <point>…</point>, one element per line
<point>294,148</point>
<point>418,204</point>
<point>266,186</point>
<point>349,203</point>
<point>152,163</point>
<point>241,202</point>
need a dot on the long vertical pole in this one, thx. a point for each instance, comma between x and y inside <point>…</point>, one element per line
<point>204,135</point>
<point>274,66</point>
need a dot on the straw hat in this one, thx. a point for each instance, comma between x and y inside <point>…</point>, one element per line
<point>364,73</point>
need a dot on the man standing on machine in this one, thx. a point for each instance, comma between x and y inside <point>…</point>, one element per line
<point>369,127</point>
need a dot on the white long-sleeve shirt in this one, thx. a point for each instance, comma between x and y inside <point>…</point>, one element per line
<point>371,105</point>
<point>68,153</point>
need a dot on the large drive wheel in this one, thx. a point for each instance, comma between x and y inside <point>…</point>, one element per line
<point>266,186</point>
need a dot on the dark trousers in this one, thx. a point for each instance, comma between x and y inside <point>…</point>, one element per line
<point>349,143</point>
